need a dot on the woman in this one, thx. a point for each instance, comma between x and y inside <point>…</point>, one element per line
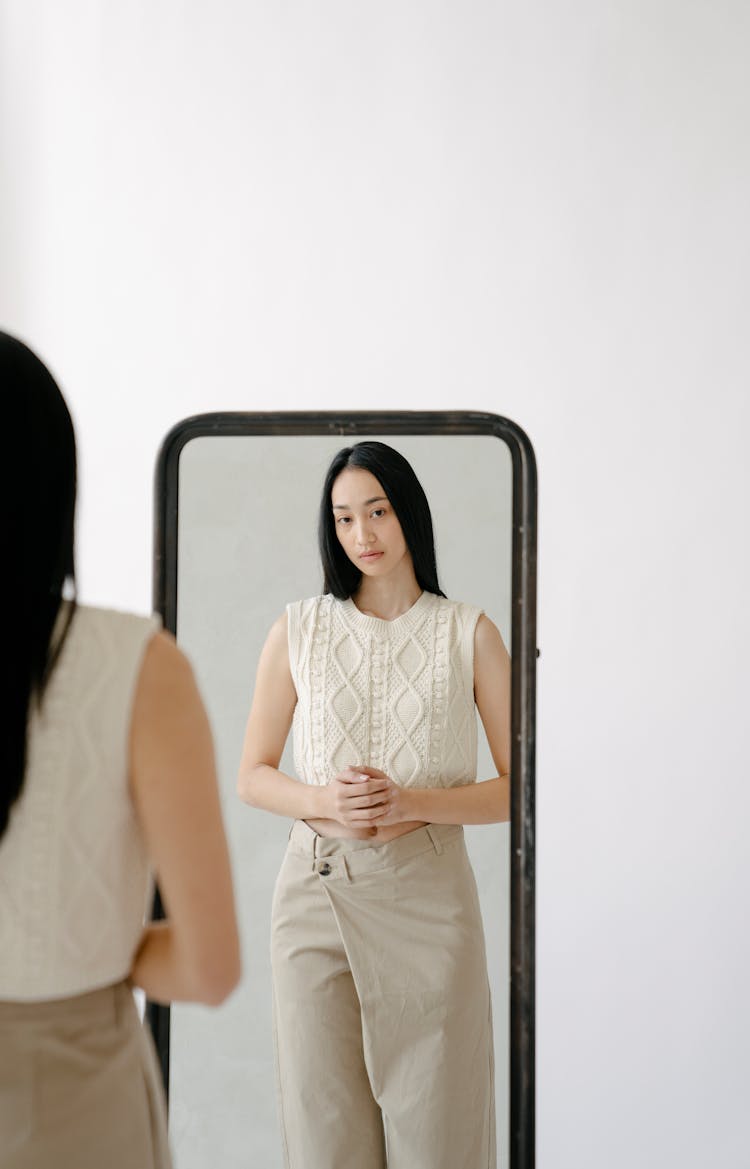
<point>382,1008</point>
<point>107,770</point>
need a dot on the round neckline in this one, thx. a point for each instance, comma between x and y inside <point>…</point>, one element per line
<point>368,621</point>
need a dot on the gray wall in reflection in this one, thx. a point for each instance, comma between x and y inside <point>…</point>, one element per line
<point>247,546</point>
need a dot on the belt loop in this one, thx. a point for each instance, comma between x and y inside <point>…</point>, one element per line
<point>437,843</point>
<point>345,867</point>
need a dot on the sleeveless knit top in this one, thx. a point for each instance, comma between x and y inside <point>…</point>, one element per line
<point>397,695</point>
<point>74,872</point>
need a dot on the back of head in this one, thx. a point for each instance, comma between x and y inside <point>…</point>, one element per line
<point>39,489</point>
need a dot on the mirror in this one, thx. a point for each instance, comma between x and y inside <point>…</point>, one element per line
<point>237,501</point>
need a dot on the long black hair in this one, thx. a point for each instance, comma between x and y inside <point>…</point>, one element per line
<point>39,488</point>
<point>407,498</point>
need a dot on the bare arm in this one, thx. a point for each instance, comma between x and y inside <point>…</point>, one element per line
<point>260,783</point>
<point>349,798</point>
<point>474,803</point>
<point>194,954</point>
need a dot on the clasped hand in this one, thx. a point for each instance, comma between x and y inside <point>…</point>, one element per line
<point>366,797</point>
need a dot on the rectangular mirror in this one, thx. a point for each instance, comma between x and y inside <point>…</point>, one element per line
<point>237,506</point>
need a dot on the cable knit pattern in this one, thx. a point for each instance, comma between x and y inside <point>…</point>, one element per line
<point>74,872</point>
<point>397,695</point>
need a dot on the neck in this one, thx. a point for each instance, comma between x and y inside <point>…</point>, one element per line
<point>390,596</point>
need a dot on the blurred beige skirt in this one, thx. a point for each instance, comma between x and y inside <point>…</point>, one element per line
<point>80,1085</point>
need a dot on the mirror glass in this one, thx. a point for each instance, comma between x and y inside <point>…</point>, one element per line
<point>247,516</point>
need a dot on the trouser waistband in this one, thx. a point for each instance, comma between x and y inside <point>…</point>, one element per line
<point>360,856</point>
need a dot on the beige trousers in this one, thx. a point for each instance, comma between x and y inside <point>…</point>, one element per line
<point>381,1003</point>
<point>79,1085</point>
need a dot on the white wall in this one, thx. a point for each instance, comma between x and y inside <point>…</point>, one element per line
<point>538,210</point>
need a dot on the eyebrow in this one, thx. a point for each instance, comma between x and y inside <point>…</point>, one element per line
<point>345,506</point>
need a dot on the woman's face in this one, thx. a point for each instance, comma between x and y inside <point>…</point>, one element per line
<point>366,524</point>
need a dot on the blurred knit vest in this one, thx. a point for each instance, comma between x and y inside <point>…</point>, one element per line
<point>74,872</point>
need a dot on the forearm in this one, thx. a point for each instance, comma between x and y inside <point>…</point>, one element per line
<point>164,973</point>
<point>157,968</point>
<point>487,802</point>
<point>272,790</point>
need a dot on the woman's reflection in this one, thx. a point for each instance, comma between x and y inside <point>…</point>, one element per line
<point>382,1007</point>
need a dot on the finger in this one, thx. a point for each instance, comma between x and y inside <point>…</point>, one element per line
<point>373,801</point>
<point>366,815</point>
<point>378,785</point>
<point>365,795</point>
<point>351,775</point>
<point>356,802</point>
<point>374,772</point>
<point>366,786</point>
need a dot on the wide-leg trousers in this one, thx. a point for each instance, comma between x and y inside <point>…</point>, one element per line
<point>80,1086</point>
<point>382,1010</point>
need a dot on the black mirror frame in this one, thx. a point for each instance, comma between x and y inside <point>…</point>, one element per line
<point>523,692</point>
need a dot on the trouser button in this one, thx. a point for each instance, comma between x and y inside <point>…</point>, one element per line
<point>325,870</point>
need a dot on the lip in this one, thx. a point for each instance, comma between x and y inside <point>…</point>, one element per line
<point>370,555</point>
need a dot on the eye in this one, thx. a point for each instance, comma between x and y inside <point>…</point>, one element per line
<point>343,519</point>
<point>379,511</point>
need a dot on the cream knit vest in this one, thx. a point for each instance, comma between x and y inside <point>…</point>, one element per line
<point>74,872</point>
<point>397,695</point>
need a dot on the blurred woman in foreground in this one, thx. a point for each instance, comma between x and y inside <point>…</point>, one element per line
<point>107,774</point>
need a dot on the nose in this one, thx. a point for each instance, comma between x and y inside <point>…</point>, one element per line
<point>364,535</point>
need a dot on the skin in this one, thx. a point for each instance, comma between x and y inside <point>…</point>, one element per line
<point>362,801</point>
<point>194,955</point>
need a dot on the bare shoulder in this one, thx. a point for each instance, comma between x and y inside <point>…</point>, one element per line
<point>162,649</point>
<point>488,641</point>
<point>275,652</point>
<point>164,667</point>
<point>279,631</point>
